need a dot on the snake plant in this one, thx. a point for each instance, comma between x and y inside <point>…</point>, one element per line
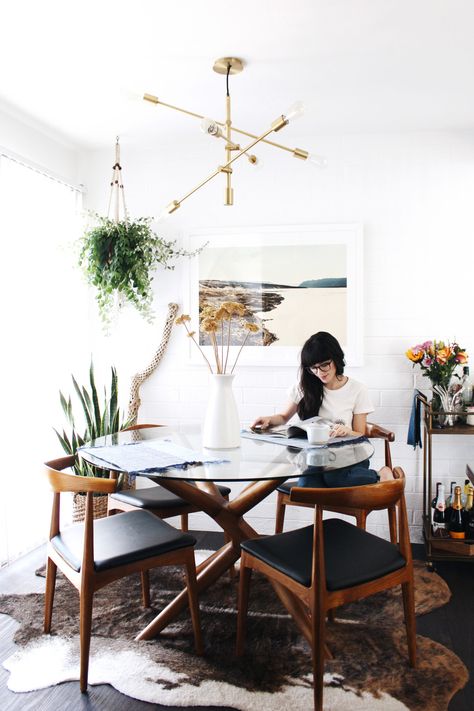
<point>100,416</point>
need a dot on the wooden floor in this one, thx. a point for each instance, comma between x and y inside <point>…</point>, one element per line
<point>452,625</point>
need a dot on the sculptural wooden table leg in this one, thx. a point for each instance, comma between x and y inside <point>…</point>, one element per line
<point>229,515</point>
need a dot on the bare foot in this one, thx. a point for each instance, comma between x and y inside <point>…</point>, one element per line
<point>386,474</point>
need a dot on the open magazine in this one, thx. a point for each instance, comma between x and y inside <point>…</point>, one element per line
<point>295,435</point>
<point>295,430</point>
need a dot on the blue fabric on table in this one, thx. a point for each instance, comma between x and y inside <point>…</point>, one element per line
<point>414,426</point>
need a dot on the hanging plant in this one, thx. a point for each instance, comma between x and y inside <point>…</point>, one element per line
<point>119,256</point>
<point>119,259</point>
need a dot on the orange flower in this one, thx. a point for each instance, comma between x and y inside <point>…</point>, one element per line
<point>443,355</point>
<point>461,357</point>
<point>414,355</point>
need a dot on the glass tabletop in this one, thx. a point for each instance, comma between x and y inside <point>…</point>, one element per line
<point>253,460</point>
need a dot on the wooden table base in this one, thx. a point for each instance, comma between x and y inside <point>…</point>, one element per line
<point>229,515</point>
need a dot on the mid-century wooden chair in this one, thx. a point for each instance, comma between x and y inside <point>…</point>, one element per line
<point>155,499</point>
<point>334,562</point>
<point>95,553</point>
<point>283,492</point>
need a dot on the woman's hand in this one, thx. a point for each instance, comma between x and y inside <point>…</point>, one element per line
<point>264,423</point>
<point>339,430</point>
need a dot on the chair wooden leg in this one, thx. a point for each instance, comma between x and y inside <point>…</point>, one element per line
<point>242,607</point>
<point>145,577</point>
<point>280,513</point>
<point>184,523</point>
<point>361,519</point>
<point>193,602</point>
<point>408,595</point>
<point>51,570</point>
<point>86,601</point>
<point>318,624</point>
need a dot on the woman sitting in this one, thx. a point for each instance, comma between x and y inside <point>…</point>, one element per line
<point>324,390</point>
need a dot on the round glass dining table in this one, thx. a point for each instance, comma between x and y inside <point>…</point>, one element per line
<point>264,465</point>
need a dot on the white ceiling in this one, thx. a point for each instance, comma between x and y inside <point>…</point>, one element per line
<point>359,65</point>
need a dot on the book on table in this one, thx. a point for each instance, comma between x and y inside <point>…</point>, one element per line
<point>295,430</point>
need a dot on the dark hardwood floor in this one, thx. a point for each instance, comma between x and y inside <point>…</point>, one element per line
<point>451,625</point>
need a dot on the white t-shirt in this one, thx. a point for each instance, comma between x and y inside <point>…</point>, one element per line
<point>352,399</point>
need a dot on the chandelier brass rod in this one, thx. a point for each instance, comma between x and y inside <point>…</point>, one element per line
<point>222,168</point>
<point>154,100</point>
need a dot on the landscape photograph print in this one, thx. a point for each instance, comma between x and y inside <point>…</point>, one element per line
<point>289,290</point>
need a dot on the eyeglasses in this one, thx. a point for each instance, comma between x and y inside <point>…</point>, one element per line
<point>323,367</point>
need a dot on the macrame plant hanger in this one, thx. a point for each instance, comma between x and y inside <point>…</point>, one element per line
<point>116,204</point>
<point>117,192</point>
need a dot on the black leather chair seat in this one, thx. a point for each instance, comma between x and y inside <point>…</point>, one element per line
<point>155,497</point>
<point>352,555</point>
<point>286,486</point>
<point>122,539</point>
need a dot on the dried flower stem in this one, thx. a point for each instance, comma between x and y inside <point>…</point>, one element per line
<point>228,344</point>
<point>240,350</point>
<point>194,340</point>
<point>216,353</point>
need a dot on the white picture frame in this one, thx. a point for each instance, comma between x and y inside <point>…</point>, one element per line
<point>302,252</point>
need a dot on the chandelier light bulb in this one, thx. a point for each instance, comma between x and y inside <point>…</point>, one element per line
<point>210,127</point>
<point>319,161</point>
<point>295,111</point>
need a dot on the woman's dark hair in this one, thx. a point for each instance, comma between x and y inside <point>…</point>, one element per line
<point>319,347</point>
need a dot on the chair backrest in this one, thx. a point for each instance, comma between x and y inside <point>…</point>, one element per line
<point>139,427</point>
<point>60,482</point>
<point>64,481</point>
<point>377,432</point>
<point>370,497</point>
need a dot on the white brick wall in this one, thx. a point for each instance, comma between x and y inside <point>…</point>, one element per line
<point>412,192</point>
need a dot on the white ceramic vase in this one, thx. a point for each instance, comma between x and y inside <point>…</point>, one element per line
<point>221,425</point>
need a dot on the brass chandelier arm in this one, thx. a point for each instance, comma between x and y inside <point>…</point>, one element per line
<point>276,126</point>
<point>297,152</point>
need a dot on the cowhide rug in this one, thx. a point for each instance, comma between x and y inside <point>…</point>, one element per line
<point>369,670</point>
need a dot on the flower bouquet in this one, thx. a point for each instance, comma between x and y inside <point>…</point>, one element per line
<point>438,361</point>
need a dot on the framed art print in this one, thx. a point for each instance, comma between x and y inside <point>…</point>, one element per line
<point>293,282</point>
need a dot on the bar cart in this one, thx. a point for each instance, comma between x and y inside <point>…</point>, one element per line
<point>439,548</point>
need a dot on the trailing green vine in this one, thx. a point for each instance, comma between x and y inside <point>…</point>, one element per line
<point>120,258</point>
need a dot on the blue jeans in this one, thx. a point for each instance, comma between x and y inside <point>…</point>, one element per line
<point>357,475</point>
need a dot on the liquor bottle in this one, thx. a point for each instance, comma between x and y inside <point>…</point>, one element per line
<point>465,492</point>
<point>449,501</point>
<point>457,521</point>
<point>466,387</point>
<point>439,514</point>
<point>469,499</point>
<point>435,497</point>
<point>469,513</point>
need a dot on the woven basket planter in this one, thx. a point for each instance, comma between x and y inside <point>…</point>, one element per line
<point>79,507</point>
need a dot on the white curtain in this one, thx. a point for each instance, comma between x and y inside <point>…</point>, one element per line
<point>45,338</point>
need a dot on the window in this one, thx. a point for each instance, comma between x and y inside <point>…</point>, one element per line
<point>44,310</point>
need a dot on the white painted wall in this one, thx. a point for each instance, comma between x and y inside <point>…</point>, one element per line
<point>37,144</point>
<point>413,194</point>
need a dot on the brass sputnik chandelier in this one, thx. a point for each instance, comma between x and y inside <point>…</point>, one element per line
<point>224,129</point>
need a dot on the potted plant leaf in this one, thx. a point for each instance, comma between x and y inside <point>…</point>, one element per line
<point>99,416</point>
<point>119,259</point>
